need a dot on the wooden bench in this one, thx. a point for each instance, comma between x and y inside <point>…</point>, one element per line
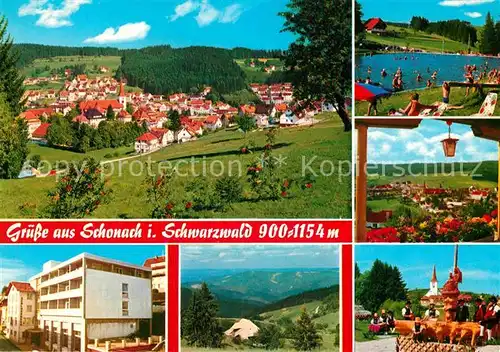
<point>477,85</point>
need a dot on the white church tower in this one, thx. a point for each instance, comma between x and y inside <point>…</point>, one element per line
<point>434,290</point>
<point>122,99</point>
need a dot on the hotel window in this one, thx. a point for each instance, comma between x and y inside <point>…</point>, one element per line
<point>125,308</point>
<point>29,296</point>
<point>125,290</point>
<point>29,308</point>
<point>119,270</point>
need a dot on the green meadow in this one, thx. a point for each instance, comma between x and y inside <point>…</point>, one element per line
<point>325,144</point>
<point>418,40</point>
<point>112,62</point>
<point>471,104</point>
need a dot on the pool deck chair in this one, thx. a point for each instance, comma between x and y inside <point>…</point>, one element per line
<point>489,104</point>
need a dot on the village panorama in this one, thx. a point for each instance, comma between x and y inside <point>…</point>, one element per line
<point>174,132</point>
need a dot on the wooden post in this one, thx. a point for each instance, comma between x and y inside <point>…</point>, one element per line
<point>361,183</point>
<point>497,237</point>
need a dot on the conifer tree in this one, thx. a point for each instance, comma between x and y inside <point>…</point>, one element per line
<point>488,42</point>
<point>11,82</point>
<point>305,335</point>
<point>320,58</point>
<point>200,326</point>
<point>13,141</point>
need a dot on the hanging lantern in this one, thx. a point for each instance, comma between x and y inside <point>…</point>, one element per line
<point>449,144</point>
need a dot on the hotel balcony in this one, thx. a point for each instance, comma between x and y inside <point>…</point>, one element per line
<point>78,292</point>
<point>51,280</point>
<point>71,307</point>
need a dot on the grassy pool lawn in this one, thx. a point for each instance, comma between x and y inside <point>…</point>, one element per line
<point>400,100</point>
<point>417,40</point>
<point>325,143</point>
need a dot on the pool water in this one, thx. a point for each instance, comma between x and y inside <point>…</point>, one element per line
<point>449,67</point>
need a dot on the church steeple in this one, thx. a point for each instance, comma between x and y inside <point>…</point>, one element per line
<point>455,259</point>
<point>434,276</point>
<point>122,99</point>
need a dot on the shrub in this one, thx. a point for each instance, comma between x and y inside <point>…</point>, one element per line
<point>229,189</point>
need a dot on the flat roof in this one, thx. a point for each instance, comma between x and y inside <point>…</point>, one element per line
<point>90,256</point>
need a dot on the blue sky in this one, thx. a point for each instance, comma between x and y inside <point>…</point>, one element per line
<point>478,263</point>
<point>139,23</point>
<point>423,144</point>
<point>259,257</point>
<point>19,263</point>
<point>473,11</point>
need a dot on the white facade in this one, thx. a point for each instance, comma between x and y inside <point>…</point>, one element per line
<point>89,297</point>
<point>20,312</point>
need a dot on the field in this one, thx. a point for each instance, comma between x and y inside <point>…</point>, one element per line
<point>293,313</point>
<point>417,40</point>
<point>330,196</point>
<point>435,180</point>
<point>112,62</point>
<point>255,74</point>
<point>397,101</point>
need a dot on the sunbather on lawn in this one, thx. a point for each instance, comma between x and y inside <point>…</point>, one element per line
<point>414,107</point>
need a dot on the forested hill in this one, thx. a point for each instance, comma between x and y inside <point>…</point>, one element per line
<point>30,52</point>
<point>164,70</point>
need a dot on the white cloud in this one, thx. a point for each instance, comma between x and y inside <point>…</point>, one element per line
<point>126,33</point>
<point>14,270</point>
<point>207,13</point>
<point>231,14</point>
<point>459,3</point>
<point>473,14</point>
<point>50,16</point>
<point>184,9</point>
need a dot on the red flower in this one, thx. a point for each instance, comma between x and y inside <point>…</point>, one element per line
<point>170,206</point>
<point>267,146</point>
<point>97,202</point>
<point>68,188</point>
<point>487,217</point>
<point>189,205</point>
<point>455,238</point>
<point>244,150</point>
<point>494,213</point>
<point>283,194</point>
<point>388,234</point>
<point>309,185</point>
<point>286,184</point>
<point>89,186</point>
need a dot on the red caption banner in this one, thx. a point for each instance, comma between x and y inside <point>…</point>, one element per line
<point>176,232</point>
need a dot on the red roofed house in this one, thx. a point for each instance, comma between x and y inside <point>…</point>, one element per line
<point>40,133</point>
<point>146,143</point>
<point>21,311</point>
<point>186,134</point>
<point>159,273</point>
<point>81,119</point>
<point>103,104</point>
<point>213,122</point>
<point>375,25</point>
<point>377,220</point>
<point>165,136</point>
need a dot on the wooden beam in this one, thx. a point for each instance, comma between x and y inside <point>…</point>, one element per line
<point>361,183</point>
<point>401,123</point>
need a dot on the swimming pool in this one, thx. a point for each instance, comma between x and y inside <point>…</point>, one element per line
<point>449,67</point>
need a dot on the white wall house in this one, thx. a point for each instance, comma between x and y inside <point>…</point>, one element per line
<point>21,314</point>
<point>146,143</point>
<point>158,266</point>
<point>89,297</point>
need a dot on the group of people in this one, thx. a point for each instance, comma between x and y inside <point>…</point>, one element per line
<point>486,314</point>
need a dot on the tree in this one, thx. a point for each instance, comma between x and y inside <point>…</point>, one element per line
<point>305,335</point>
<point>381,283</point>
<point>270,337</point>
<point>487,43</point>
<point>13,141</point>
<point>174,121</point>
<point>110,114</point>
<point>320,58</point>
<point>11,81</point>
<point>200,326</point>
<point>359,26</point>
<point>79,193</point>
<point>246,123</point>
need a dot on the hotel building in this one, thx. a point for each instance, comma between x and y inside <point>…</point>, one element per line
<point>89,297</point>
